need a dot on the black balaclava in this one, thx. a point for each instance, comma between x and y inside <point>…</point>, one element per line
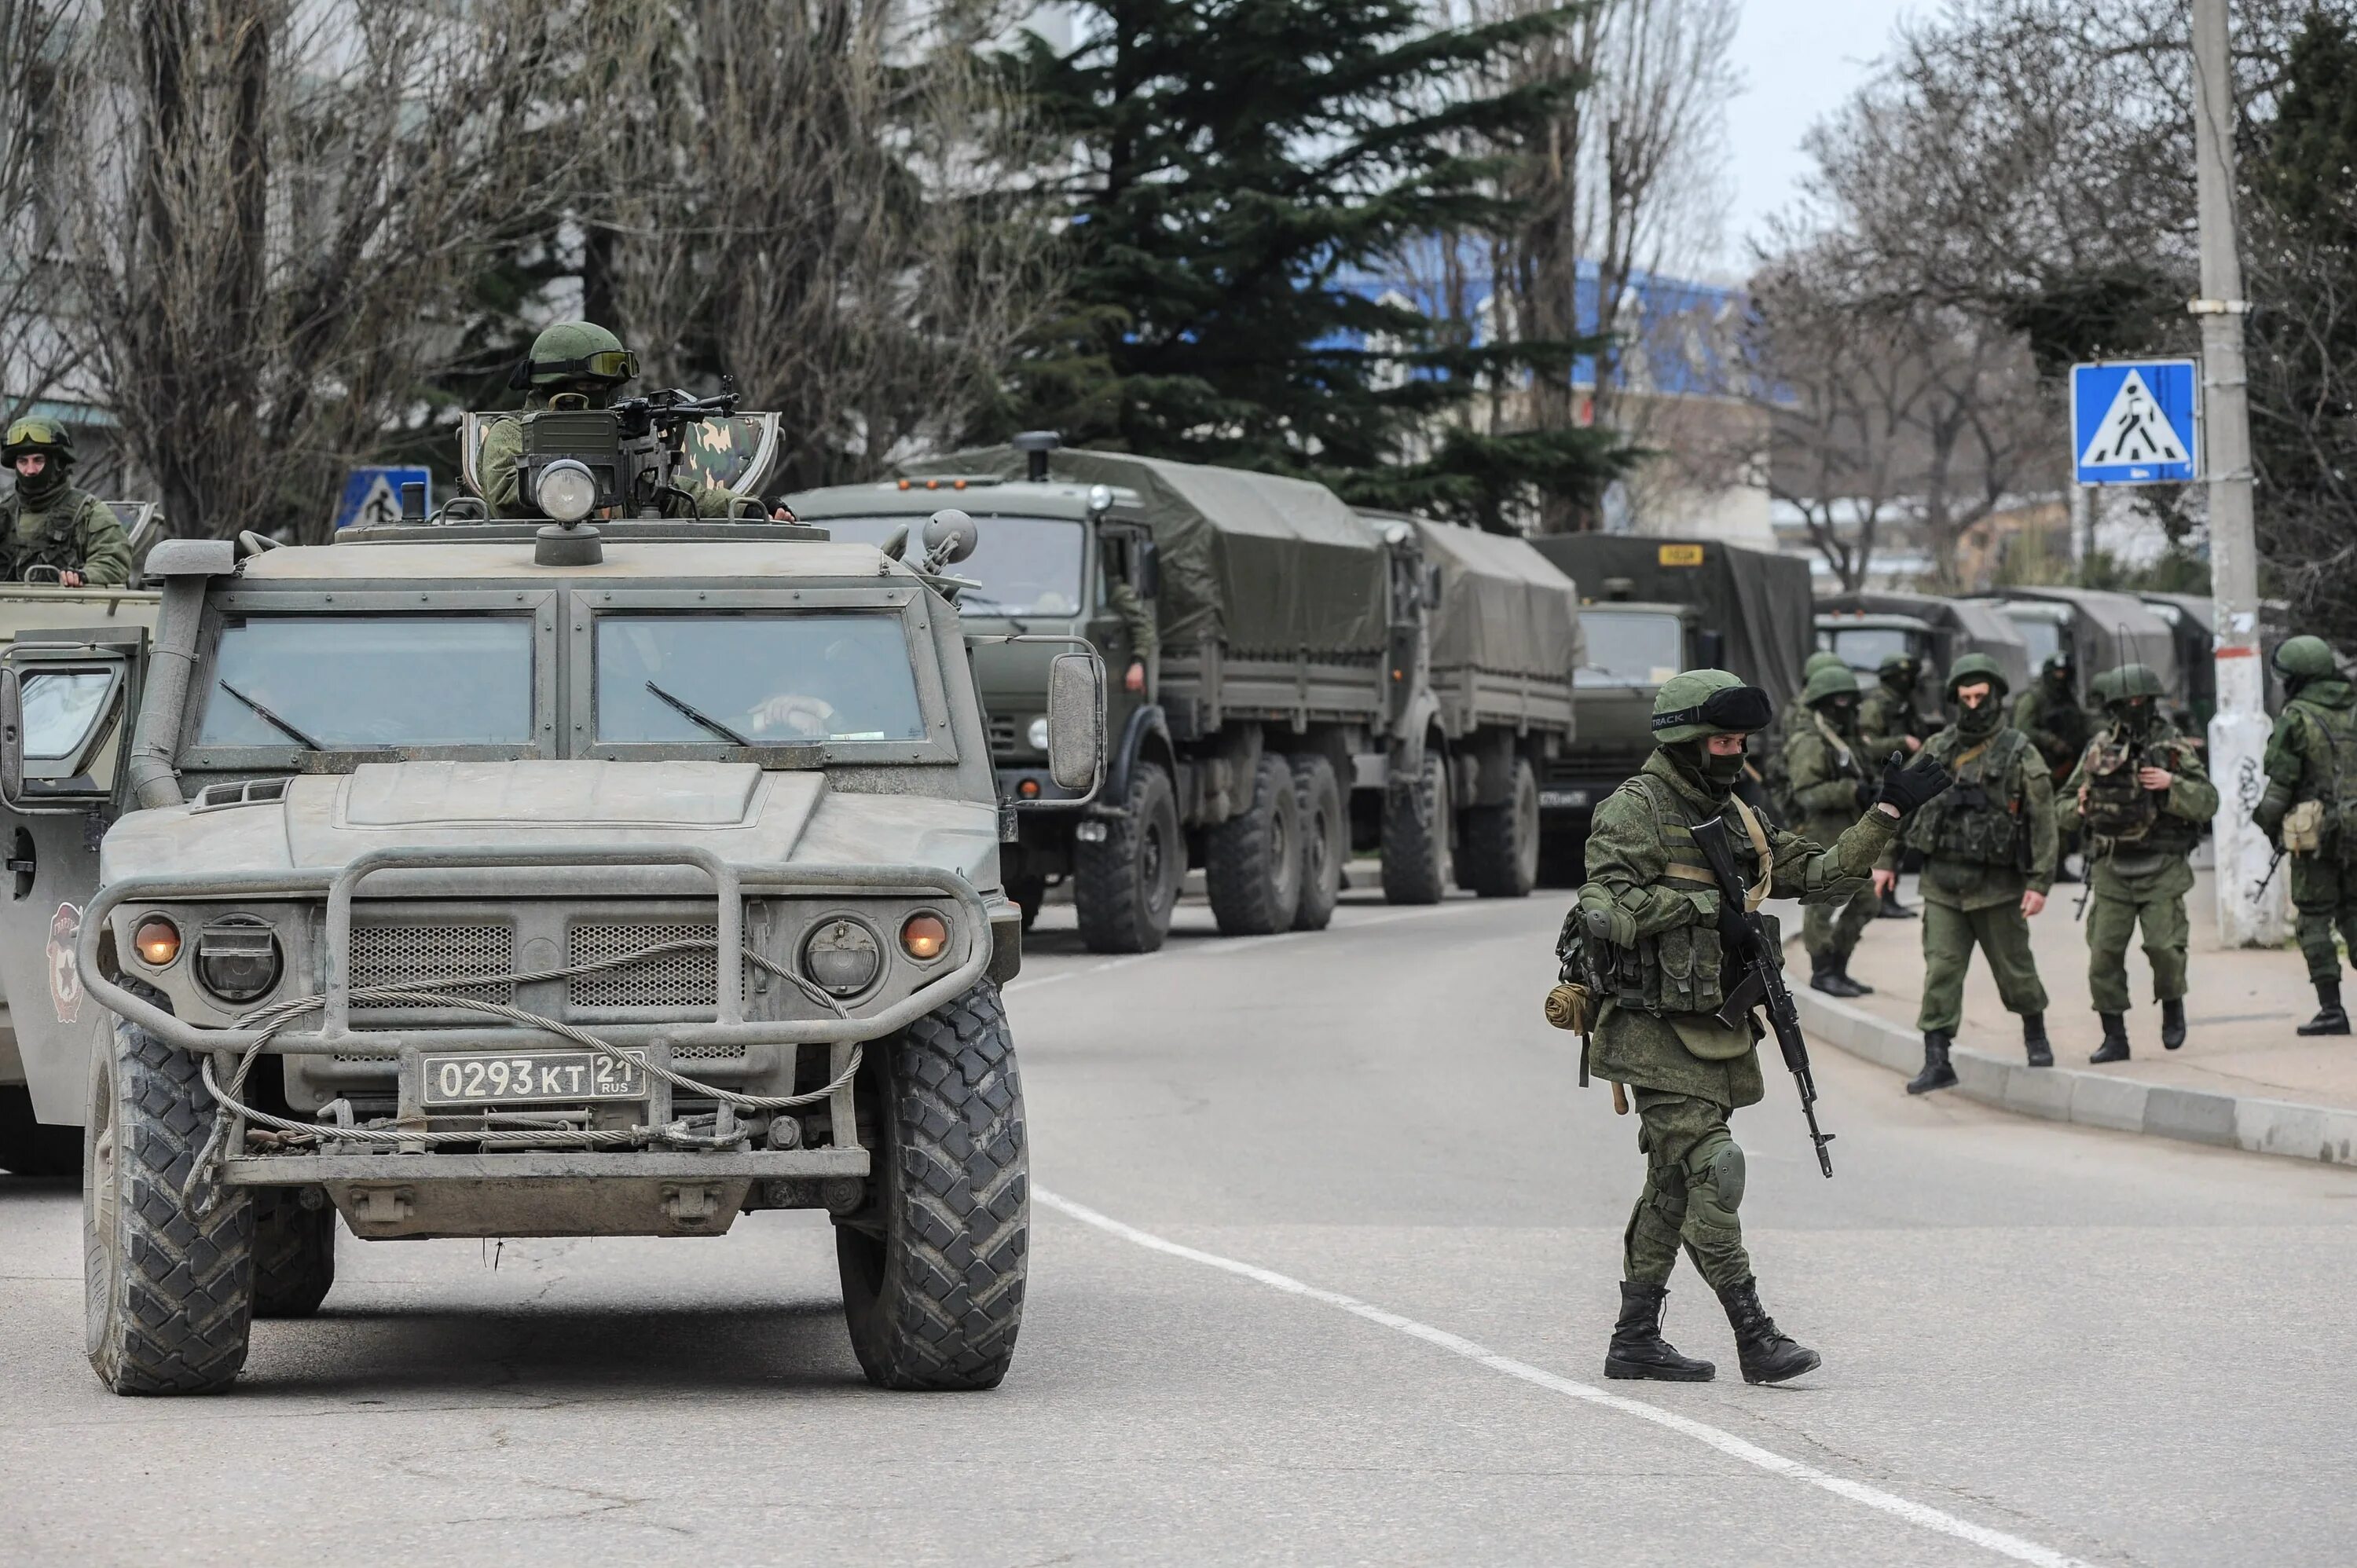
<point>1903,679</point>
<point>1714,776</point>
<point>1840,712</point>
<point>1979,724</point>
<point>2134,715</point>
<point>37,490</point>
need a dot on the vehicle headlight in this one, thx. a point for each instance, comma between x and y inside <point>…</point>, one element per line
<point>1038,733</point>
<point>924,936</point>
<point>157,940</point>
<point>238,958</point>
<point>842,957</point>
<point>567,490</point>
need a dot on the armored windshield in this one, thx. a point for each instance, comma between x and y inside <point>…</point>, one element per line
<point>755,679</point>
<point>1027,566</point>
<point>368,682</point>
<point>1630,648</point>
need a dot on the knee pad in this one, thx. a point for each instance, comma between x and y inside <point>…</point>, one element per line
<point>1715,1186</point>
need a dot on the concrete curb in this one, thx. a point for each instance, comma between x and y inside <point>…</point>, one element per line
<point>2324,1132</point>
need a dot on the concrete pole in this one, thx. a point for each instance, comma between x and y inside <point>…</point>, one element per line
<point>2238,734</point>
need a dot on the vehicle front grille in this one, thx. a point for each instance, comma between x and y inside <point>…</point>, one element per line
<point>401,953</point>
<point>1002,735</point>
<point>685,978</point>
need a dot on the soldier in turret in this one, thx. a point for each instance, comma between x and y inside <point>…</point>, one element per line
<point>2141,794</point>
<point>2309,810</point>
<point>1825,780</point>
<point>47,521</point>
<point>574,364</point>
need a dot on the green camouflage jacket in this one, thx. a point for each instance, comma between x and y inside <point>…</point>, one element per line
<point>75,533</point>
<point>1822,770</point>
<point>2055,722</point>
<point>2301,762</point>
<point>500,466</point>
<point>2139,871</point>
<point>2015,782</point>
<point>1885,719</point>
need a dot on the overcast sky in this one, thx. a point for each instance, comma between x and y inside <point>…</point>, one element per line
<point>1800,59</point>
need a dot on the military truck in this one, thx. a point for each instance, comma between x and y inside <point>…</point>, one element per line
<point>2098,628</point>
<point>510,878</point>
<point>1651,608</point>
<point>1866,628</point>
<point>1328,683</point>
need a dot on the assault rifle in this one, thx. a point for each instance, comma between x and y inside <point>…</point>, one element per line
<point>2275,861</point>
<point>1761,981</point>
<point>625,458</point>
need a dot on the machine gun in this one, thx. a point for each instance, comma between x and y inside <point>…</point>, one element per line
<point>625,458</point>
<point>1761,982</point>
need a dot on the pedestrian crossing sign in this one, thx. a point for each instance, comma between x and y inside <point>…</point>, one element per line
<point>2136,421</point>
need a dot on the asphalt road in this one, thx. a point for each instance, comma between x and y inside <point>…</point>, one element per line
<point>1323,1261</point>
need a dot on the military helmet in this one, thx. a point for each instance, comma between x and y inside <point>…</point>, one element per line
<point>1822,660</point>
<point>2303,659</point>
<point>575,351</point>
<point>1706,703</point>
<point>1840,681</point>
<point>1899,664</point>
<point>2105,687</point>
<point>1974,666</point>
<point>2129,681</point>
<point>46,436</point>
<point>2058,660</point>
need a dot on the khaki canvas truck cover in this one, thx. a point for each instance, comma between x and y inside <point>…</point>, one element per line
<point>734,453</point>
<point>1263,564</point>
<point>2115,630</point>
<point>1972,626</point>
<point>1760,599</point>
<point>1504,608</point>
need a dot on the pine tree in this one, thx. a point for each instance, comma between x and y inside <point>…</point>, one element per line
<point>1238,170</point>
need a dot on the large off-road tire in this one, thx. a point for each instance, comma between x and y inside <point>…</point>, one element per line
<point>1415,833</point>
<point>1125,885</point>
<point>933,1265</point>
<point>1325,840</point>
<point>1251,862</point>
<point>294,1254</point>
<point>168,1281</point>
<point>1499,857</point>
<point>30,1147</point>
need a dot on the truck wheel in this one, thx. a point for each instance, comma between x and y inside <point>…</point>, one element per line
<point>1501,841</point>
<point>1252,863</point>
<point>294,1254</point>
<point>167,1291</point>
<point>1125,885</point>
<point>932,1267</point>
<point>30,1147</point>
<point>1416,834</point>
<point>1325,840</point>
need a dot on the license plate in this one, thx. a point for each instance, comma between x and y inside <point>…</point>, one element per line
<point>531,1078</point>
<point>1560,797</point>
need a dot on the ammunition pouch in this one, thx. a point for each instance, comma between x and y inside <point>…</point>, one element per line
<point>2304,829</point>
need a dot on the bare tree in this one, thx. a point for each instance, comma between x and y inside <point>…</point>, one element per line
<point>276,205</point>
<point>36,275</point>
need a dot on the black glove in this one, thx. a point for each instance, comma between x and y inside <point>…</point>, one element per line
<point>1907,785</point>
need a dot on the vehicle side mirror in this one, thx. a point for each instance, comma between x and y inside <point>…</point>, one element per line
<point>1145,569</point>
<point>1076,720</point>
<point>1710,650</point>
<point>950,537</point>
<point>12,736</point>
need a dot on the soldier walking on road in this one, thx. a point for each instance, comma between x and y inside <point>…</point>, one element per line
<point>1826,779</point>
<point>2050,713</point>
<point>1988,861</point>
<point>2141,793</point>
<point>1888,721</point>
<point>1647,923</point>
<point>2309,810</point>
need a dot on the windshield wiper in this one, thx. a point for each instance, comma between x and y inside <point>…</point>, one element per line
<point>699,716</point>
<point>281,725</point>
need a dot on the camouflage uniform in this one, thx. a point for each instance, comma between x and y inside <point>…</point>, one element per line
<point>1984,844</point>
<point>1825,780</point>
<point>2141,874</point>
<point>1137,622</point>
<point>1886,716</point>
<point>2050,713</point>
<point>2312,757</point>
<point>557,366</point>
<point>48,521</point>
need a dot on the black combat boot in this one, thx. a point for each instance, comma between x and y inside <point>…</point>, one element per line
<point>2172,1023</point>
<point>1767,1353</point>
<point>2115,1048</point>
<point>2033,1040</point>
<point>1638,1348</point>
<point>1825,974</point>
<point>1936,1073</point>
<point>1858,987</point>
<point>2330,1018</point>
<point>1892,909</point>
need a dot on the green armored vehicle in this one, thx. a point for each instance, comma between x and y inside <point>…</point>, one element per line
<point>507,878</point>
<point>1326,682</point>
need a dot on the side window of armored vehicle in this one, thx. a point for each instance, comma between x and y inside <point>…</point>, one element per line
<point>368,683</point>
<point>1630,648</point>
<point>73,735</point>
<point>755,678</point>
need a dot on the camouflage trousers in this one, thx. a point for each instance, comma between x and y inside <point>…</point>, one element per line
<point>1832,931</point>
<point>2324,892</point>
<point>2002,932</point>
<point>2167,931</point>
<point>1693,1181</point>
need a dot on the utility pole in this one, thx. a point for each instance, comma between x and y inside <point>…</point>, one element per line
<point>2238,734</point>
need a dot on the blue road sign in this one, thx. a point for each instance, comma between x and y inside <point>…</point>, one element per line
<point>2136,421</point>
<point>373,495</point>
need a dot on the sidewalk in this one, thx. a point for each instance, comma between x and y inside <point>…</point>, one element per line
<point>2242,1079</point>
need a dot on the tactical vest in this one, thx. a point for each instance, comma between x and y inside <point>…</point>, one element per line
<point>1983,819</point>
<point>2333,741</point>
<point>2119,810</point>
<point>1683,968</point>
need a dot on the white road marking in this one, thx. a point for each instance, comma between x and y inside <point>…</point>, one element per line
<point>1920,1515</point>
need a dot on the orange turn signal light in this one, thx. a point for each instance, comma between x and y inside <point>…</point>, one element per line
<point>158,942</point>
<point>1029,789</point>
<point>925,937</point>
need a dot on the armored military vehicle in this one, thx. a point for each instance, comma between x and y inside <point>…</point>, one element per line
<point>511,878</point>
<point>1327,682</point>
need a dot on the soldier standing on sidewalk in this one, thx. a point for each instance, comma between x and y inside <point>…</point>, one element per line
<point>2309,810</point>
<point>2050,713</point>
<point>2142,795</point>
<point>1890,721</point>
<point>1825,780</point>
<point>1988,860</point>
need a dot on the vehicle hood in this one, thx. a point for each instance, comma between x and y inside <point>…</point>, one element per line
<point>735,809</point>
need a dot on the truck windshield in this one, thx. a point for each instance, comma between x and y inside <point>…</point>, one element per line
<point>1864,648</point>
<point>2044,636</point>
<point>369,682</point>
<point>755,679</point>
<point>1629,648</point>
<point>1027,566</point>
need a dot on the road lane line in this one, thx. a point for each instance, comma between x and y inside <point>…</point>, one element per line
<point>1920,1515</point>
